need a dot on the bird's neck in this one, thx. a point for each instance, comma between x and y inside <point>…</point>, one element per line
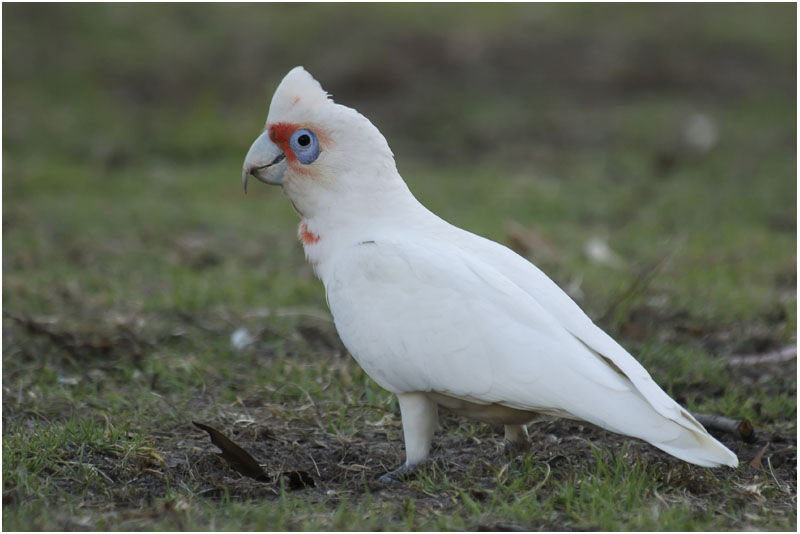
<point>355,220</point>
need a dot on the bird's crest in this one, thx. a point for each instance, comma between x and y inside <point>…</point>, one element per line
<point>297,92</point>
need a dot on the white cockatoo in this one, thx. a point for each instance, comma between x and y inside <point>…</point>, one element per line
<point>440,316</point>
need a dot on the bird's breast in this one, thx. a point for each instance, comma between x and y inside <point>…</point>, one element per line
<point>307,237</point>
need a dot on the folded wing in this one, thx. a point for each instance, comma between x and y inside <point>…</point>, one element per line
<point>432,316</point>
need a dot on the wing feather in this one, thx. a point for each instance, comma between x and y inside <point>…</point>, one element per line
<point>539,286</point>
<point>432,316</point>
<point>443,321</point>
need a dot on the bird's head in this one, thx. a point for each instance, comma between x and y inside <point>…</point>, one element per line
<point>320,152</point>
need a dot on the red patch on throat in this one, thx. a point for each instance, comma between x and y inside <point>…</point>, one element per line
<point>306,236</point>
<point>280,133</point>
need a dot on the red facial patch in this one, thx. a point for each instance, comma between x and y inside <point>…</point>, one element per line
<point>306,236</point>
<point>279,133</point>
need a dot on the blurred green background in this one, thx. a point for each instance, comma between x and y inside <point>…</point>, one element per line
<point>125,127</point>
<point>642,155</point>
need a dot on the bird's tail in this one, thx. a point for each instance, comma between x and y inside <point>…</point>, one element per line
<point>694,444</point>
<point>681,436</point>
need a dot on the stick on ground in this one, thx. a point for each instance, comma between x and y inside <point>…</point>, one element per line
<point>741,428</point>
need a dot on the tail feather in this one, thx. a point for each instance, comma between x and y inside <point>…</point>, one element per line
<point>698,447</point>
<point>682,437</point>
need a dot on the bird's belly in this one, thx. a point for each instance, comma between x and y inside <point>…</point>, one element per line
<point>488,413</point>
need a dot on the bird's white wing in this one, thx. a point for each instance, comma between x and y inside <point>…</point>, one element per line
<point>572,318</point>
<point>424,316</point>
<point>428,316</point>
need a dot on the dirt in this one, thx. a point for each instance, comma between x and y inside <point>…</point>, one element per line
<point>347,467</point>
<point>331,464</point>
<point>299,453</point>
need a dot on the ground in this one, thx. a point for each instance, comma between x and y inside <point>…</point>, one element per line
<point>642,156</point>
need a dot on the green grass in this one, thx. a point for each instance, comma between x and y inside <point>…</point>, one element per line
<point>130,256</point>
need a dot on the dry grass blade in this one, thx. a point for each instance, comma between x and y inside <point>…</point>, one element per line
<point>638,286</point>
<point>238,458</point>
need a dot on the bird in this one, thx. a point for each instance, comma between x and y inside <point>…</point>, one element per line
<point>442,317</point>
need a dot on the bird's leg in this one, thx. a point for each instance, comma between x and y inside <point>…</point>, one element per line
<point>420,417</point>
<point>516,439</point>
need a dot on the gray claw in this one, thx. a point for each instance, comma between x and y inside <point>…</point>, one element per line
<point>398,476</point>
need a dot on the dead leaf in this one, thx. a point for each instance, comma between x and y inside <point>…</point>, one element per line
<point>755,463</point>
<point>238,458</point>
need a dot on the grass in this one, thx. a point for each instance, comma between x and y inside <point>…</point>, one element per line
<point>130,256</point>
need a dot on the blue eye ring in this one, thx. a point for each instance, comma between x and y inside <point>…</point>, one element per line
<point>305,146</point>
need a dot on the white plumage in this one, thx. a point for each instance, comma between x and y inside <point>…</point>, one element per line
<point>438,315</point>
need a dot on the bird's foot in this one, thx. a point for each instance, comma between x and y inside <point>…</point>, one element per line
<point>398,476</point>
<point>515,448</point>
<point>516,440</point>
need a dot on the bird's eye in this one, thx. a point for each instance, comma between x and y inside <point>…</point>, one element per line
<point>305,146</point>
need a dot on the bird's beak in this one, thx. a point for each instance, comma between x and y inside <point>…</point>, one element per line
<point>265,161</point>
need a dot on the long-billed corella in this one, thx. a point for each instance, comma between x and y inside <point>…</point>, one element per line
<point>440,316</point>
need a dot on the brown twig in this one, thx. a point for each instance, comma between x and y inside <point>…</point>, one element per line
<point>741,428</point>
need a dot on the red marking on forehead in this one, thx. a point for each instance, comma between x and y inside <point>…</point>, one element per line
<point>279,133</point>
<point>306,236</point>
